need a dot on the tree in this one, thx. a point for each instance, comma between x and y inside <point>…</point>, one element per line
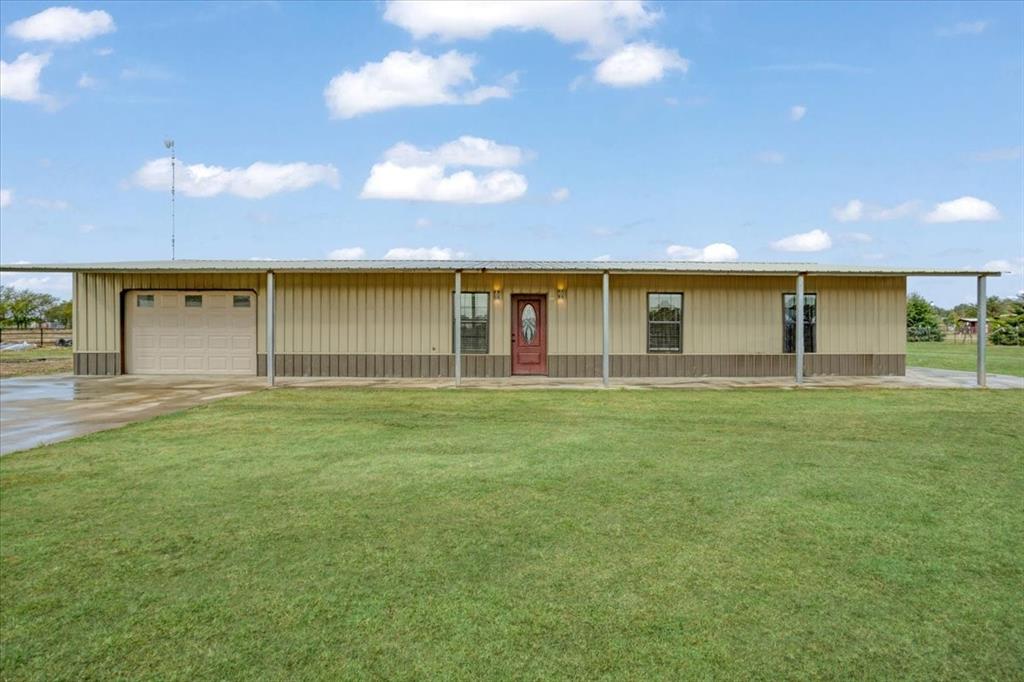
<point>922,320</point>
<point>20,308</point>
<point>59,314</point>
<point>1008,328</point>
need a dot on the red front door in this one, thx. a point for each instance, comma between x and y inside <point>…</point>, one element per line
<point>529,335</point>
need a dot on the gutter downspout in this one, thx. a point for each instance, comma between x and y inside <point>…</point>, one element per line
<point>457,328</point>
<point>799,328</point>
<point>982,331</point>
<point>270,328</point>
<point>604,329</point>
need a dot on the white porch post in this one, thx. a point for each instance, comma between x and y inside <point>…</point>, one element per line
<point>604,328</point>
<point>457,328</point>
<point>982,330</point>
<point>799,342</point>
<point>270,328</point>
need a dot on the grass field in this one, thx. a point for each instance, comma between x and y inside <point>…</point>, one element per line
<point>330,534</point>
<point>49,360</point>
<point>964,356</point>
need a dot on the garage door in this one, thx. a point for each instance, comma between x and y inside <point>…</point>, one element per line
<point>190,332</point>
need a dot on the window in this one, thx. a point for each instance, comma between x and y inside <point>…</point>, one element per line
<point>664,323</point>
<point>144,301</point>
<point>789,322</point>
<point>241,301</point>
<point>193,301</point>
<point>474,319</point>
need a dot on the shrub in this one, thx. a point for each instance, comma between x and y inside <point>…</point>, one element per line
<point>922,320</point>
<point>1007,330</point>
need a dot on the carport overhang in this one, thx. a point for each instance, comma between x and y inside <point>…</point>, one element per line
<point>268,268</point>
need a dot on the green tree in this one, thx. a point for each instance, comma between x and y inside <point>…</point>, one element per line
<point>21,308</point>
<point>59,314</point>
<point>922,320</point>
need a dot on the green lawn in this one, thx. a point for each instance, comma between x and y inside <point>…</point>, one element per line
<point>47,360</point>
<point>950,355</point>
<point>354,534</point>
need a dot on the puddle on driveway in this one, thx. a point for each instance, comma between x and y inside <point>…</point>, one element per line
<point>39,410</point>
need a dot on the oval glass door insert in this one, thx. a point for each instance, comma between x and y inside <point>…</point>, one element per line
<point>528,323</point>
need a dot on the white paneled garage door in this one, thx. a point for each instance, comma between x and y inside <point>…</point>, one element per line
<point>190,332</point>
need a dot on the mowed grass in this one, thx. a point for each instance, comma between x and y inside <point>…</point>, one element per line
<point>964,356</point>
<point>404,534</point>
<point>48,360</point>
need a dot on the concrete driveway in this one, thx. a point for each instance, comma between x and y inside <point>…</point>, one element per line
<point>45,409</point>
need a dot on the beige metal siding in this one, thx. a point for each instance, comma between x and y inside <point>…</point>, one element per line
<point>410,313</point>
<point>374,313</point>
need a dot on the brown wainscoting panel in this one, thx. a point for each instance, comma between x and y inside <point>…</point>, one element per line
<point>559,366</point>
<point>382,366</point>
<point>97,364</point>
<point>749,365</point>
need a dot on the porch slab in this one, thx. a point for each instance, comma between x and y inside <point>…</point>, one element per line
<point>916,377</point>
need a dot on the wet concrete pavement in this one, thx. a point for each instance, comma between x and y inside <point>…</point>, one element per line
<point>46,409</point>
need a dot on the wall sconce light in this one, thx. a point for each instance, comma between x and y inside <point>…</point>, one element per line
<point>497,295</point>
<point>560,293</point>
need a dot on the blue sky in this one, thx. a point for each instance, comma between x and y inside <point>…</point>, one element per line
<point>870,133</point>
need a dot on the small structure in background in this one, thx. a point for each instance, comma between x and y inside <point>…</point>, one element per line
<point>966,330</point>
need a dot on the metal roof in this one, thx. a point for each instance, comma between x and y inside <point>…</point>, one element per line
<point>678,267</point>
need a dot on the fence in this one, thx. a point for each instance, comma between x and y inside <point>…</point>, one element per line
<point>40,336</point>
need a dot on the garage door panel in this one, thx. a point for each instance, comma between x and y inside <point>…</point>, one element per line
<point>211,336</point>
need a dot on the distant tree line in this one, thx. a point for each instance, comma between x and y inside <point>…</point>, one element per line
<point>928,322</point>
<point>21,308</point>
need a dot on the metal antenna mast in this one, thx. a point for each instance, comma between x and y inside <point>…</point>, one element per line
<point>169,144</point>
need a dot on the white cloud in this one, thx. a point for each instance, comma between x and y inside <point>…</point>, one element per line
<point>797,112</point>
<point>712,253</point>
<point>771,157</point>
<point>410,173</point>
<point>1002,265</point>
<point>86,81</point>
<point>6,197</point>
<point>256,181</point>
<point>409,79</point>
<point>1001,154</point>
<point>348,253</point>
<point>427,253</point>
<point>962,28</point>
<point>465,151</point>
<point>62,25</point>
<point>423,222</point>
<point>856,210</point>
<point>638,64</point>
<point>19,80</point>
<point>389,180</point>
<point>964,209</point>
<point>602,259</point>
<point>602,25</point>
<point>815,240</point>
<point>86,228</point>
<point>57,285</point>
<point>559,195</point>
<point>103,51</point>
<point>852,212</point>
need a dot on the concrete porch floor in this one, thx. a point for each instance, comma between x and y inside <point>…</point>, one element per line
<point>916,377</point>
<point>46,409</point>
